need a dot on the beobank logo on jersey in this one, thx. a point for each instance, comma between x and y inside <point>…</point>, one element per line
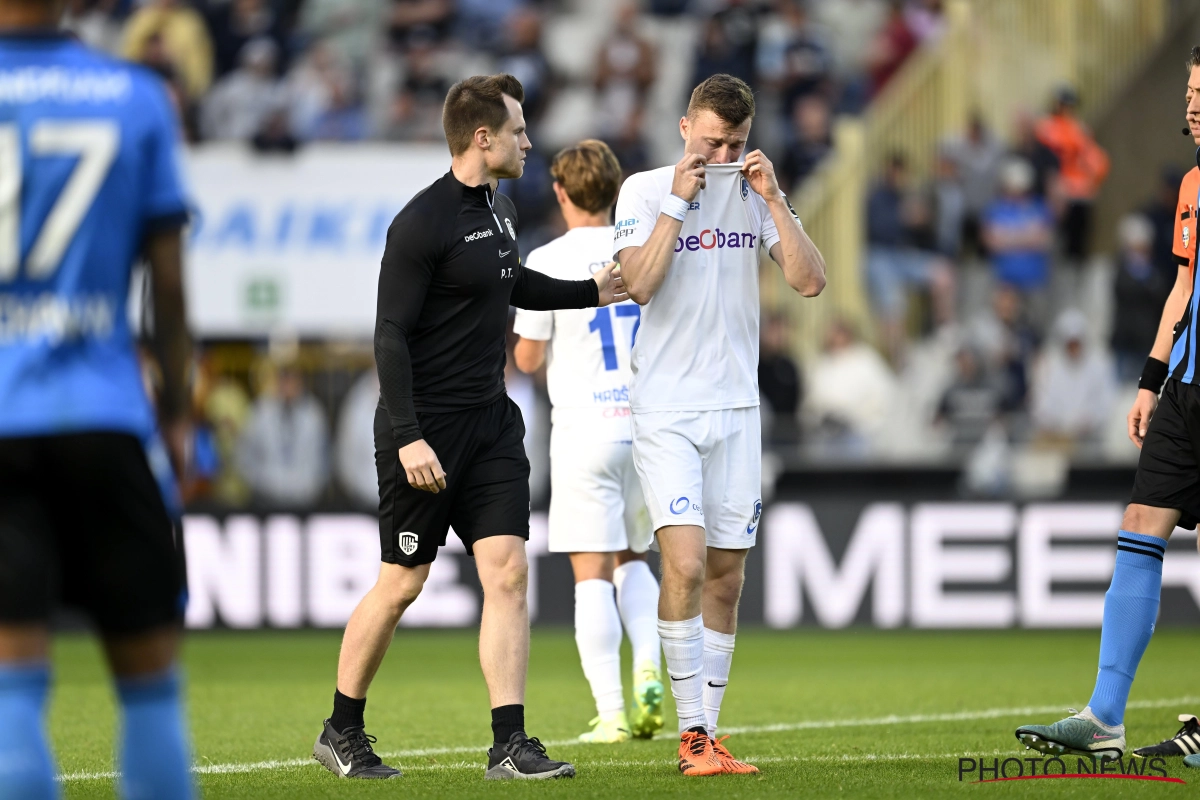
<point>710,239</point>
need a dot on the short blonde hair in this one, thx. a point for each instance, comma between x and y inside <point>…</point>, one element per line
<point>589,173</point>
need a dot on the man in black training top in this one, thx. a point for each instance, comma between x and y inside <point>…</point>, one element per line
<point>450,270</point>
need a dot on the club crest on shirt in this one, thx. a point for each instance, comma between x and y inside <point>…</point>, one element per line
<point>511,230</point>
<point>745,189</point>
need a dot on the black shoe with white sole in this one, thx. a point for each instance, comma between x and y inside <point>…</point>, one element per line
<point>1184,743</point>
<point>349,755</point>
<point>524,759</point>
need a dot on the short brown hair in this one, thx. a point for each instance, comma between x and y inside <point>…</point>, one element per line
<point>474,103</point>
<point>1194,58</point>
<point>589,173</point>
<point>724,95</point>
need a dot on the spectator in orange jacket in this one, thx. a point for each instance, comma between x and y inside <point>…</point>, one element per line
<point>1083,166</point>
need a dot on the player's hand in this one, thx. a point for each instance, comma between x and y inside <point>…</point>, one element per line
<point>759,172</point>
<point>612,288</point>
<point>422,467</point>
<point>689,177</point>
<point>1140,415</point>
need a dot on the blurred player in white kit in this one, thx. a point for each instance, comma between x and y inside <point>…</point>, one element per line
<point>597,513</point>
<point>687,238</point>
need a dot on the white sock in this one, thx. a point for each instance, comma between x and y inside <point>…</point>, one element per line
<point>598,636</point>
<point>637,598</point>
<point>683,646</point>
<point>718,656</point>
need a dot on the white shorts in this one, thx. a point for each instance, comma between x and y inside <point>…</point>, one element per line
<point>596,501</point>
<point>702,468</point>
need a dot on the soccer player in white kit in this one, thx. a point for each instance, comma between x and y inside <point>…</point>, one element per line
<point>597,513</point>
<point>687,238</point>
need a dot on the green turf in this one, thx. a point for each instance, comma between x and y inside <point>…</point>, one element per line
<point>261,696</point>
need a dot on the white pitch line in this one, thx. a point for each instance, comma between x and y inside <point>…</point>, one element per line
<point>911,719</point>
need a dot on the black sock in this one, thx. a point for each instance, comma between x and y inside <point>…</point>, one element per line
<point>507,720</point>
<point>347,712</point>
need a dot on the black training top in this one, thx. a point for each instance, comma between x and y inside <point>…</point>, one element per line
<point>450,270</point>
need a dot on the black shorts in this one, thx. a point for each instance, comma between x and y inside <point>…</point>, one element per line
<point>1168,472</point>
<point>83,524</point>
<point>482,451</point>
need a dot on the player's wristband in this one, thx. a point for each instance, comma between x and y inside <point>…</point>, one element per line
<point>675,207</point>
<point>1154,375</point>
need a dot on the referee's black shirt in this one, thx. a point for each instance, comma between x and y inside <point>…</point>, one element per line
<point>450,270</point>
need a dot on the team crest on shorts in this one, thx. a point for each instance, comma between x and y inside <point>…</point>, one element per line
<point>745,189</point>
<point>408,543</point>
<point>753,526</point>
<point>511,230</point>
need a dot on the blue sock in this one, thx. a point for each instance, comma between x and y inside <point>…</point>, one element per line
<point>1130,608</point>
<point>156,758</point>
<point>26,766</point>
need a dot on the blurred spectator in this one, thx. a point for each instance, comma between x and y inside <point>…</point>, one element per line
<point>284,449</point>
<point>349,28</point>
<point>1019,230</point>
<point>810,118</point>
<point>172,32</point>
<point>849,391</point>
<point>1007,343</point>
<point>237,22</point>
<point>949,207</point>
<point>416,112</point>
<point>793,56</point>
<point>1160,212</point>
<point>625,72</point>
<point>479,24</point>
<point>729,42</point>
<point>522,58</point>
<point>95,22</point>
<point>1026,145</point>
<point>355,444</point>
<point>323,101</point>
<point>1083,166</point>
<point>973,400</point>
<point>894,264</point>
<point>925,19</point>
<point>779,381</point>
<point>852,26</point>
<point>241,102</point>
<point>1139,292</point>
<point>1073,384</point>
<point>226,408</point>
<point>275,134</point>
<point>407,17</point>
<point>891,47</point>
<point>976,157</point>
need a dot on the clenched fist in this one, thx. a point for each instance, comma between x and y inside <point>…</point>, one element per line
<point>422,468</point>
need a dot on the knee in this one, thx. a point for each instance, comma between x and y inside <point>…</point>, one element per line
<point>686,571</point>
<point>725,589</point>
<point>399,592</point>
<point>509,578</point>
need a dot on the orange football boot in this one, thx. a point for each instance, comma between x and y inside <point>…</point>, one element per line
<point>729,764</point>
<point>696,755</point>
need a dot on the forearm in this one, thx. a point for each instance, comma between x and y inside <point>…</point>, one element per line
<point>646,268</point>
<point>171,341</point>
<point>537,292</point>
<point>802,263</point>
<point>1173,311</point>
<point>394,364</point>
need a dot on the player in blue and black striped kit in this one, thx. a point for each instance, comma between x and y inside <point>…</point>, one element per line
<point>89,182</point>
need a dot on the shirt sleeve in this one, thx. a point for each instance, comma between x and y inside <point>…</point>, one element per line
<point>536,325</point>
<point>637,214</point>
<point>538,292</point>
<point>1185,226</point>
<point>768,232</point>
<point>165,202</point>
<point>409,259</point>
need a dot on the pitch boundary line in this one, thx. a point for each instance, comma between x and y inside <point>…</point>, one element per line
<point>910,719</point>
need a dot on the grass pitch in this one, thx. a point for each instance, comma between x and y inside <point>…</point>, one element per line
<point>853,713</point>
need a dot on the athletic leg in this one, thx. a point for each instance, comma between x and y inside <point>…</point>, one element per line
<point>637,599</point>
<point>724,576</point>
<point>598,637</point>
<point>26,763</point>
<point>504,628</point>
<point>680,625</point>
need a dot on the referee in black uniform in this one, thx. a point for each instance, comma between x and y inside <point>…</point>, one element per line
<point>450,270</point>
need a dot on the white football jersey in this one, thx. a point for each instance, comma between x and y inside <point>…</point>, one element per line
<point>697,348</point>
<point>587,362</point>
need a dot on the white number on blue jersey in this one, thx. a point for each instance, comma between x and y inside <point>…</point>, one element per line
<point>95,143</point>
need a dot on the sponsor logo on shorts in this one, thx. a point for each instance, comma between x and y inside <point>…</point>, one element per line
<point>408,543</point>
<point>753,526</point>
<point>483,234</point>
<point>679,505</point>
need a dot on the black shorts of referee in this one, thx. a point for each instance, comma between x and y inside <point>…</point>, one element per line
<point>487,482</point>
<point>83,524</point>
<point>1168,471</point>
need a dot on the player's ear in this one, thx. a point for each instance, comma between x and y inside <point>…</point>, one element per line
<point>683,127</point>
<point>483,138</point>
<point>560,194</point>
